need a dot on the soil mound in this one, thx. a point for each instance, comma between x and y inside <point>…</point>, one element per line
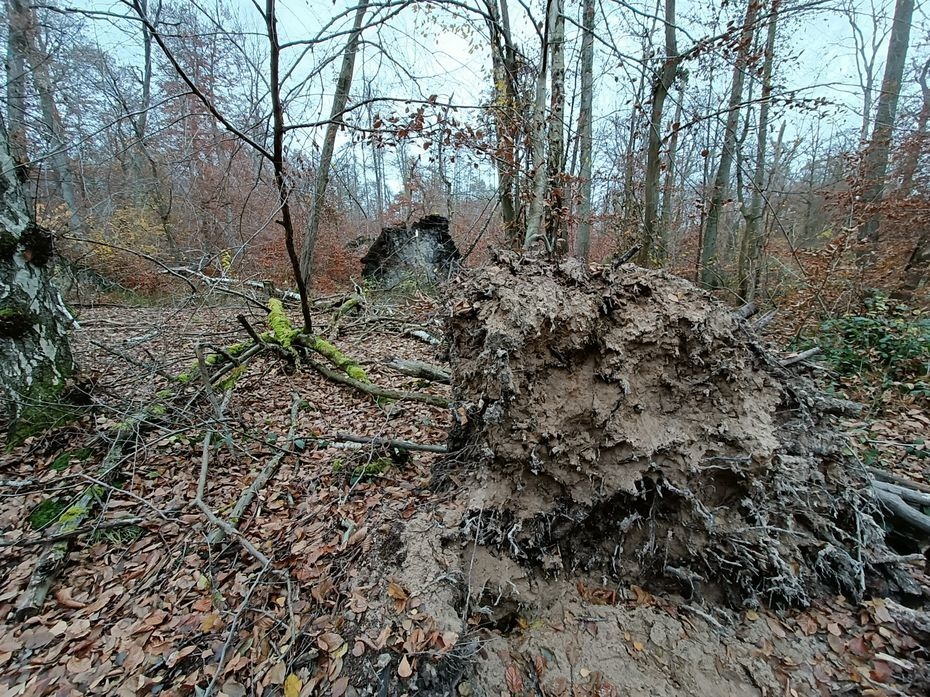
<point>624,422</point>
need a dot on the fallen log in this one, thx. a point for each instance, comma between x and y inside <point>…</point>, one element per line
<point>376,391</point>
<point>911,496</point>
<point>886,476</point>
<point>420,369</point>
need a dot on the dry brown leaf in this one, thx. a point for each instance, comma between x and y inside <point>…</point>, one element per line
<point>404,669</point>
<point>776,627</point>
<point>358,650</point>
<point>63,596</point>
<point>396,591</point>
<point>340,686</point>
<point>514,679</point>
<point>330,641</point>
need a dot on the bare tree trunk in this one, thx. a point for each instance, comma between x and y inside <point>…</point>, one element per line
<point>277,162</point>
<point>585,123</point>
<point>875,165</point>
<point>34,347</point>
<point>340,100</point>
<point>507,106</point>
<point>555,219</point>
<point>535,231</point>
<point>651,243</point>
<point>919,137</point>
<point>37,60</point>
<point>866,53</point>
<point>750,246</point>
<point>710,274</point>
<point>16,47</point>
<point>665,214</point>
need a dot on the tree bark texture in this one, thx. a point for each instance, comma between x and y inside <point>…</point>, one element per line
<point>875,165</point>
<point>585,128</point>
<point>34,350</point>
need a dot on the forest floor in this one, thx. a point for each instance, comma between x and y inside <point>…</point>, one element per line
<point>370,589</point>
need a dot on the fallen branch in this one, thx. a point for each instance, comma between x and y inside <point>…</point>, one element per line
<point>392,443</point>
<point>423,336</point>
<point>886,476</point>
<point>914,622</point>
<point>266,475</point>
<point>376,391</point>
<point>764,321</point>
<point>77,532</point>
<point>896,506</point>
<point>798,357</point>
<point>915,498</point>
<point>746,311</point>
<point>420,369</point>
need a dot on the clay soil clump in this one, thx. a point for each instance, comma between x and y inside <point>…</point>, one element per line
<point>623,422</point>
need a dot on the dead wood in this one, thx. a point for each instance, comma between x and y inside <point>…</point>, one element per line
<point>798,357</point>
<point>914,622</point>
<point>423,336</point>
<point>892,478</point>
<point>269,471</point>
<point>897,507</point>
<point>376,391</point>
<point>746,311</point>
<point>765,320</point>
<point>912,496</point>
<point>420,369</point>
<point>392,443</point>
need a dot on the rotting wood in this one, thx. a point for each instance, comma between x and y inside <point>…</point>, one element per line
<point>911,496</point>
<point>376,391</point>
<point>886,476</point>
<point>423,336</point>
<point>746,311</point>
<point>798,357</point>
<point>266,475</point>
<point>764,321</point>
<point>392,443</point>
<point>897,507</point>
<point>420,369</point>
<point>914,622</point>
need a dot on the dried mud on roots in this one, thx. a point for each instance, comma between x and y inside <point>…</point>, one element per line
<point>624,422</point>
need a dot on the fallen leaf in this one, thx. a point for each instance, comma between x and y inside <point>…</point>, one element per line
<point>396,591</point>
<point>63,596</point>
<point>292,685</point>
<point>752,615</point>
<point>514,679</point>
<point>340,686</point>
<point>404,670</point>
<point>330,641</point>
<point>359,649</point>
<point>881,671</point>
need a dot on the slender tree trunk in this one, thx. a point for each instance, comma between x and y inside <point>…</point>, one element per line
<point>750,247</point>
<point>535,231</point>
<point>506,116</point>
<point>340,100</point>
<point>34,349</point>
<point>653,247</point>
<point>555,219</point>
<point>24,24</point>
<point>585,123</point>
<point>919,138</point>
<point>17,18</point>
<point>875,165</point>
<point>665,215</point>
<point>277,162</point>
<point>710,274</point>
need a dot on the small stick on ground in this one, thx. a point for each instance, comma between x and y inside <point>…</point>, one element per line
<point>376,391</point>
<point>266,475</point>
<point>392,443</point>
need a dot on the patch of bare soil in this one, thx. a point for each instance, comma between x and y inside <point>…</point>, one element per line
<point>627,424</point>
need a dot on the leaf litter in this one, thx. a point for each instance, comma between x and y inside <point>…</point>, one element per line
<point>373,590</point>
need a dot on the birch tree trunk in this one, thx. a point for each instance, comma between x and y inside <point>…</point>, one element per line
<point>16,78</point>
<point>34,349</point>
<point>585,123</point>
<point>652,245</point>
<point>919,138</point>
<point>710,274</point>
<point>340,100</point>
<point>875,166</point>
<point>750,245</point>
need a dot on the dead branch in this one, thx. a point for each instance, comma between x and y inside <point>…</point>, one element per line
<point>266,475</point>
<point>424,336</point>
<point>77,532</point>
<point>376,391</point>
<point>746,311</point>
<point>916,498</point>
<point>249,329</point>
<point>765,320</point>
<point>914,622</point>
<point>392,443</point>
<point>886,476</point>
<point>420,369</point>
<point>896,506</point>
<point>798,357</point>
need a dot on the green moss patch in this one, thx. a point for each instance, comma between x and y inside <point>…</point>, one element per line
<point>46,513</point>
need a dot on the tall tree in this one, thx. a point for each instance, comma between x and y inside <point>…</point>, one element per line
<point>34,348</point>
<point>651,242</point>
<point>585,127</point>
<point>875,164</point>
<point>710,274</point>
<point>340,101</point>
<point>751,243</point>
